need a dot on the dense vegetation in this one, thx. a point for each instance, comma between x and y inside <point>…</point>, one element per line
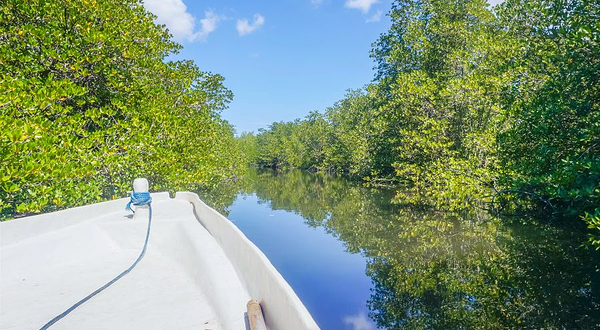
<point>470,106</point>
<point>89,100</point>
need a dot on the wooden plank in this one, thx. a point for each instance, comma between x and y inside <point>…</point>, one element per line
<point>255,316</point>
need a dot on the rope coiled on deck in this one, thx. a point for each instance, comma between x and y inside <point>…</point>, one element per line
<point>137,199</point>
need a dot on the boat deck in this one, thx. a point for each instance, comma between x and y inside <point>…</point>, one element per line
<point>185,280</point>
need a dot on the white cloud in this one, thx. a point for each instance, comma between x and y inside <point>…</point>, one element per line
<point>316,3</point>
<point>243,27</point>
<point>181,24</point>
<point>207,25</point>
<point>364,5</point>
<point>375,17</point>
<point>359,321</point>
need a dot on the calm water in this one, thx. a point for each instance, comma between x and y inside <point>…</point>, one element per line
<point>360,262</point>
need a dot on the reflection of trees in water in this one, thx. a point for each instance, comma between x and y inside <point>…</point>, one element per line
<point>519,277</point>
<point>447,271</point>
<point>221,196</point>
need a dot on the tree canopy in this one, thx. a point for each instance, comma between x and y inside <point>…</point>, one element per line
<point>89,99</point>
<point>471,106</point>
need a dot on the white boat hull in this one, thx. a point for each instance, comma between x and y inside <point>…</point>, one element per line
<point>198,273</point>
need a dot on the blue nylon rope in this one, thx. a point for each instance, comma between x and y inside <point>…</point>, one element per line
<point>137,199</point>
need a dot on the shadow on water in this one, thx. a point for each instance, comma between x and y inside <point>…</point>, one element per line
<point>428,269</point>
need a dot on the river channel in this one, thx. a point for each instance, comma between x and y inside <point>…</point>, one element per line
<point>359,261</point>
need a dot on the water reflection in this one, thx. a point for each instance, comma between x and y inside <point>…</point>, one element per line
<point>359,322</point>
<point>439,270</point>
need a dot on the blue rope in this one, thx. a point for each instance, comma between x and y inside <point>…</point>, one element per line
<point>137,199</point>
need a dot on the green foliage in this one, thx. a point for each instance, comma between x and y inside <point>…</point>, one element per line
<point>346,139</point>
<point>247,143</point>
<point>593,221</point>
<point>440,74</point>
<point>359,144</point>
<point>471,107</point>
<point>551,146</point>
<point>88,101</point>
<point>297,144</point>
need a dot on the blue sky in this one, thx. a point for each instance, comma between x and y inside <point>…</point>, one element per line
<point>282,59</point>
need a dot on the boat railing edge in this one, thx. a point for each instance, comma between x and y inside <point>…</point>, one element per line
<point>281,306</point>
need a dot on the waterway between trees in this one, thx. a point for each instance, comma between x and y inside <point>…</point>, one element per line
<point>359,261</point>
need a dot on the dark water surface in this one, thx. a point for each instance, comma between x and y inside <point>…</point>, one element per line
<point>360,262</point>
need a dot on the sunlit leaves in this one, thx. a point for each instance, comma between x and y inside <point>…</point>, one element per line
<point>551,146</point>
<point>88,101</point>
<point>471,107</point>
